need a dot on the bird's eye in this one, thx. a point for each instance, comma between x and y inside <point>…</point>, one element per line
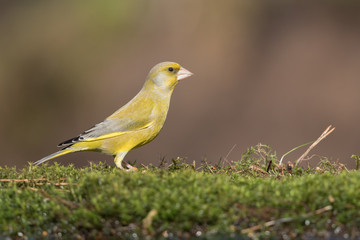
<point>171,69</point>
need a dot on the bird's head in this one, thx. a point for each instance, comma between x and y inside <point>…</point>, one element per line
<point>166,75</point>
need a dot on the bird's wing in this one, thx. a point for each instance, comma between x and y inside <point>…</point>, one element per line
<point>108,129</point>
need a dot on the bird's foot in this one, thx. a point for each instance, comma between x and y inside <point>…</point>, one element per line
<point>130,168</point>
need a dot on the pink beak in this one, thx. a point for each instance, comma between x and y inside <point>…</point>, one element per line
<point>183,73</point>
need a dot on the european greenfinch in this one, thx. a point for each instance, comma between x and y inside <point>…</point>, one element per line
<point>136,123</point>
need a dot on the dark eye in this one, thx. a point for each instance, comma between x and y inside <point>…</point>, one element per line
<point>171,69</point>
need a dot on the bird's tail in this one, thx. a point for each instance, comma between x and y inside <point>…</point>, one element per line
<point>54,155</point>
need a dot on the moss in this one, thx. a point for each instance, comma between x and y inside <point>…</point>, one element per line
<point>184,200</point>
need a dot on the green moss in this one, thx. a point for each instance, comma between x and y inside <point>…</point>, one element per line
<point>185,200</point>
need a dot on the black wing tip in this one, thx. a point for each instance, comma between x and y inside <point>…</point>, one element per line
<point>70,141</point>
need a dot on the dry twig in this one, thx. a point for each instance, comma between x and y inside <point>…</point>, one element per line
<point>255,168</point>
<point>322,136</point>
<point>58,199</point>
<point>284,220</point>
<point>28,180</point>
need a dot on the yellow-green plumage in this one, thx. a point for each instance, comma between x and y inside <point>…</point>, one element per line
<point>136,123</point>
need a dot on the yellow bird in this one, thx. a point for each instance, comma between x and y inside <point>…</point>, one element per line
<point>136,123</point>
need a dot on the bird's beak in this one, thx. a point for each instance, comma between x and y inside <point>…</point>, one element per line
<point>183,73</point>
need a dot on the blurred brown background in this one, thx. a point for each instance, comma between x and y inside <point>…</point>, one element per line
<point>275,72</point>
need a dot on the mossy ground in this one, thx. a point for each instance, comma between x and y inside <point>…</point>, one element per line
<point>249,198</point>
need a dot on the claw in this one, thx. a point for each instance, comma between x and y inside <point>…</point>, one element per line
<point>130,168</point>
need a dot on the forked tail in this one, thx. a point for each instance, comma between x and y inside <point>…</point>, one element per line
<point>54,155</point>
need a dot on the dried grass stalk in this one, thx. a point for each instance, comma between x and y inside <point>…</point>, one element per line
<point>328,130</point>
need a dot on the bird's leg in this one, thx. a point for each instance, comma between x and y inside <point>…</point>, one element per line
<point>119,158</point>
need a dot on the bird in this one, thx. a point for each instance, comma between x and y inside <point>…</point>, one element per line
<point>135,124</point>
